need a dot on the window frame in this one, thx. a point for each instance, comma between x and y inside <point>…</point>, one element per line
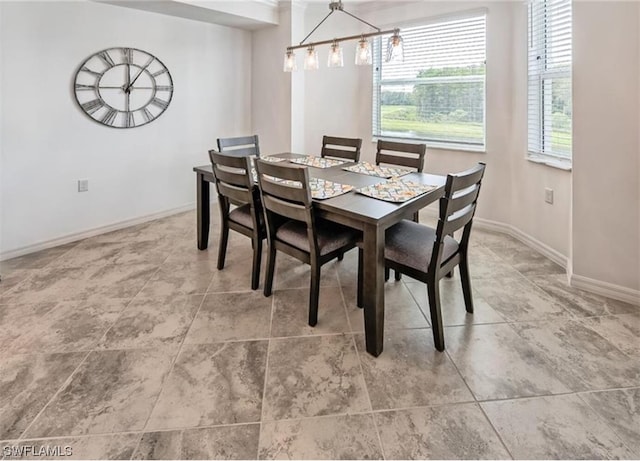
<point>377,84</point>
<point>539,45</point>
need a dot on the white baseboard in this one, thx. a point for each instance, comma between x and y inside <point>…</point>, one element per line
<point>44,245</point>
<point>495,226</point>
<point>543,248</point>
<point>610,290</point>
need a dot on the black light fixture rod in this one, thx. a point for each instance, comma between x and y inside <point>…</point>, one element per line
<point>361,20</point>
<point>343,39</point>
<point>314,29</point>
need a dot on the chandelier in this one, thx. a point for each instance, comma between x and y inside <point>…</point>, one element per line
<point>395,51</point>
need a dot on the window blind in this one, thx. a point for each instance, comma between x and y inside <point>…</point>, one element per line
<point>549,78</point>
<point>438,93</point>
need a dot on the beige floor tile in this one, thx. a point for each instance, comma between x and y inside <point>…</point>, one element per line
<point>313,376</point>
<point>334,437</point>
<point>443,432</point>
<point>113,391</point>
<point>224,442</point>
<point>291,313</point>
<point>557,427</point>
<point>230,317</point>
<point>118,446</point>
<point>213,384</point>
<point>410,372</point>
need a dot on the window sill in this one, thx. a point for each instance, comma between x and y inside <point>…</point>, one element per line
<point>550,162</point>
<point>435,145</point>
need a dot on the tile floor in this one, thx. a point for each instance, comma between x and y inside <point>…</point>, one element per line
<point>132,345</point>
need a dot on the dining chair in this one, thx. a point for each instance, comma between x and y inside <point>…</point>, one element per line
<point>401,154</point>
<point>293,228</point>
<point>240,146</point>
<point>427,254</point>
<point>343,148</point>
<point>234,183</point>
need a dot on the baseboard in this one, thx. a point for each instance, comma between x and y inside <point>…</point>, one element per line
<point>610,290</point>
<point>69,238</point>
<point>543,248</point>
<point>495,226</point>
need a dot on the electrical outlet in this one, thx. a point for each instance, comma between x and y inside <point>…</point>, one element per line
<point>83,185</point>
<point>548,195</point>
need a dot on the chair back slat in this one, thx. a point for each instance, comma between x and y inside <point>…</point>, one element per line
<point>412,155</point>
<point>284,191</point>
<point>240,146</point>
<point>232,176</point>
<point>285,208</point>
<point>270,179</point>
<point>464,198</point>
<point>458,220</point>
<point>235,193</point>
<point>457,209</point>
<point>345,148</point>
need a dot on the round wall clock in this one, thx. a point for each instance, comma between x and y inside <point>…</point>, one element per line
<point>123,87</point>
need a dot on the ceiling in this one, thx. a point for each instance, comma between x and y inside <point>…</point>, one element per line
<point>243,14</point>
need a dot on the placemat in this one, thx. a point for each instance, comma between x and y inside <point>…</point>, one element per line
<point>396,191</point>
<point>317,162</point>
<point>273,159</point>
<point>375,170</point>
<point>320,188</point>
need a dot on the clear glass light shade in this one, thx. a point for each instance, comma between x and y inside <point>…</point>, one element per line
<point>395,48</point>
<point>335,56</point>
<point>363,53</point>
<point>290,64</point>
<point>311,59</point>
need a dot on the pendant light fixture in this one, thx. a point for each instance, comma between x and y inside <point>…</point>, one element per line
<point>395,45</point>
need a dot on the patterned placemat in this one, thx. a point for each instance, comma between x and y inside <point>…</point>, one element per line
<point>273,159</point>
<point>317,162</point>
<point>375,170</point>
<point>396,190</point>
<point>320,188</point>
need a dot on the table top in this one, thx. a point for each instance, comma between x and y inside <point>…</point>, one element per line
<point>354,207</point>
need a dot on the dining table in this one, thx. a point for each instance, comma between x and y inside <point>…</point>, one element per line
<point>369,215</point>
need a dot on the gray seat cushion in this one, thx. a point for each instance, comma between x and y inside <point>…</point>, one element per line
<point>242,215</point>
<point>330,236</point>
<point>411,244</point>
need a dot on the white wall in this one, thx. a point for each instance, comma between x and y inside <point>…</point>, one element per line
<point>606,102</point>
<point>48,143</point>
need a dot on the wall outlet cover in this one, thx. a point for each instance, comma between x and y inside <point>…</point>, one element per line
<point>83,185</point>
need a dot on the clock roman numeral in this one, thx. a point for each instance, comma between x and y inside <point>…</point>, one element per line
<point>164,88</point>
<point>80,87</point>
<point>92,72</point>
<point>160,103</point>
<point>104,56</point>
<point>92,106</point>
<point>148,116</point>
<point>160,72</point>
<point>127,55</point>
<point>128,120</point>
<point>109,117</point>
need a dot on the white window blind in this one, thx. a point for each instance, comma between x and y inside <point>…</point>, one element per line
<point>437,95</point>
<point>549,95</point>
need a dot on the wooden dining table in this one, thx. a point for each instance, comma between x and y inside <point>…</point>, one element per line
<point>369,215</point>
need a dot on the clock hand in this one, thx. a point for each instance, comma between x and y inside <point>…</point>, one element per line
<point>128,83</point>
<point>140,72</point>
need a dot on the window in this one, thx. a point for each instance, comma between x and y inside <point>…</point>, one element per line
<point>549,97</point>
<point>437,95</point>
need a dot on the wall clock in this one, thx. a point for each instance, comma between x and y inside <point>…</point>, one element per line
<point>123,87</point>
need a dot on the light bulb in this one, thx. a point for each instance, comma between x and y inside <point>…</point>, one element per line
<point>290,64</point>
<point>363,53</point>
<point>395,47</point>
<point>335,56</point>
<point>311,60</point>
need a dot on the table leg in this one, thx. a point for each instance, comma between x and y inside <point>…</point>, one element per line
<point>203,210</point>
<point>373,288</point>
